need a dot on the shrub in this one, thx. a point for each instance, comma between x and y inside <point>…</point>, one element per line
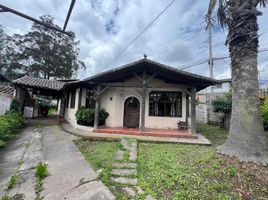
<point>9,125</point>
<point>264,113</point>
<point>15,105</point>
<point>223,104</point>
<point>85,116</point>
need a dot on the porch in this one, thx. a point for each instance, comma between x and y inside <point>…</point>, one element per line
<point>168,133</point>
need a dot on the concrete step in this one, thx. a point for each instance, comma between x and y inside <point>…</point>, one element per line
<point>124,172</point>
<point>125,165</point>
<point>123,180</point>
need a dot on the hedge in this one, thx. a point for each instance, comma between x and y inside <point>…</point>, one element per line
<point>9,126</point>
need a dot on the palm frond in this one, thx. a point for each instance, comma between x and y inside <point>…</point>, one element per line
<point>222,18</point>
<point>211,7</point>
<point>262,3</point>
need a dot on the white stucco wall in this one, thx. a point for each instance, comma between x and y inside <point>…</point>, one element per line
<point>70,112</point>
<point>113,99</point>
<point>5,102</point>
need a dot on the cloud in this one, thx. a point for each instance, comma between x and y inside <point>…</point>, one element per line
<point>105,27</point>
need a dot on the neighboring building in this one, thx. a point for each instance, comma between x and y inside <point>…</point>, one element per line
<point>28,88</point>
<point>6,94</point>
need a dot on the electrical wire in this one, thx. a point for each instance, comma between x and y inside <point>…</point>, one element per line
<point>143,31</point>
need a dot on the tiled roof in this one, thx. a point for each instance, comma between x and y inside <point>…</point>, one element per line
<point>39,83</point>
<point>7,90</point>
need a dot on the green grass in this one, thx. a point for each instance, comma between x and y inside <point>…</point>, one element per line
<point>12,181</point>
<point>100,154</point>
<point>176,171</point>
<point>41,172</point>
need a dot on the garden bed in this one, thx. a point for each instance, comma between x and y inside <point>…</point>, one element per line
<point>175,171</point>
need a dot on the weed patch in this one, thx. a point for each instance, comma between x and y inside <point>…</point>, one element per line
<point>40,173</point>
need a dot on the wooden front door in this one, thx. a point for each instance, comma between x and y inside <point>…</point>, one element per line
<point>132,113</point>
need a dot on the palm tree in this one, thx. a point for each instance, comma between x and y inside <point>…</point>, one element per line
<point>246,138</point>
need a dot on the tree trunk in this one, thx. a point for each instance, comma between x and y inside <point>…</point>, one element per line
<point>246,138</point>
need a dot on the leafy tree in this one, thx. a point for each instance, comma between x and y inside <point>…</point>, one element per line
<point>46,53</point>
<point>246,138</point>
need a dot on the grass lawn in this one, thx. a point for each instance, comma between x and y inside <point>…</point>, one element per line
<point>176,171</point>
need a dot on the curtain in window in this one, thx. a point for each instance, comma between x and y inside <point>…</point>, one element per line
<point>172,98</point>
<point>156,97</point>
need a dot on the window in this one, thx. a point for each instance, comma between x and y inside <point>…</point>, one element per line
<point>72,99</point>
<point>90,101</point>
<point>165,104</point>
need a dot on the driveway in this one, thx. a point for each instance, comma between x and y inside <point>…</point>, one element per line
<point>70,176</point>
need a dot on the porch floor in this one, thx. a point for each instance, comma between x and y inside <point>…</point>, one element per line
<point>147,132</point>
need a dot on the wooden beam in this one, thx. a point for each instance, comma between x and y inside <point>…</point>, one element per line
<point>138,77</point>
<point>150,78</point>
<point>97,107</point>
<point>186,91</point>
<point>193,110</point>
<point>143,98</point>
<point>104,89</point>
<point>187,108</point>
<point>7,9</point>
<point>68,15</point>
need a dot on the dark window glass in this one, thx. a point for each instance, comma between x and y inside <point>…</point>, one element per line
<point>165,104</point>
<point>72,99</point>
<point>90,101</point>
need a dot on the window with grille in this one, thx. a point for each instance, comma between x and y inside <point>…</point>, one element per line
<point>165,104</point>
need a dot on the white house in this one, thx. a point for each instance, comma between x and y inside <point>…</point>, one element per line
<point>142,94</point>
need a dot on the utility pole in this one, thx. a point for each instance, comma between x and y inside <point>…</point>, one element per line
<point>210,60</point>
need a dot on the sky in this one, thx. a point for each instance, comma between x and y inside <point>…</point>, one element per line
<point>105,27</point>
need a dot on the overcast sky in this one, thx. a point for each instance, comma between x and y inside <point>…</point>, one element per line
<point>105,27</point>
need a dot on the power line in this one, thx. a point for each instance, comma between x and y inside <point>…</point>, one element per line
<point>202,61</point>
<point>174,45</point>
<point>143,31</point>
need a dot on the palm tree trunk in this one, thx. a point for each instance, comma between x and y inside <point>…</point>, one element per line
<point>246,138</point>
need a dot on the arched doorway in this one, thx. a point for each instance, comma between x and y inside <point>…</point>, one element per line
<point>132,112</point>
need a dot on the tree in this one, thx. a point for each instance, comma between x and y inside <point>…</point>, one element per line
<point>246,138</point>
<point>46,53</point>
<point>9,65</point>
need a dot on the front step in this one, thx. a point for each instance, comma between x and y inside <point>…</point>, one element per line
<point>147,133</point>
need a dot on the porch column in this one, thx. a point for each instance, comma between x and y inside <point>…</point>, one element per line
<point>143,97</point>
<point>97,107</point>
<point>193,110</point>
<point>187,109</point>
